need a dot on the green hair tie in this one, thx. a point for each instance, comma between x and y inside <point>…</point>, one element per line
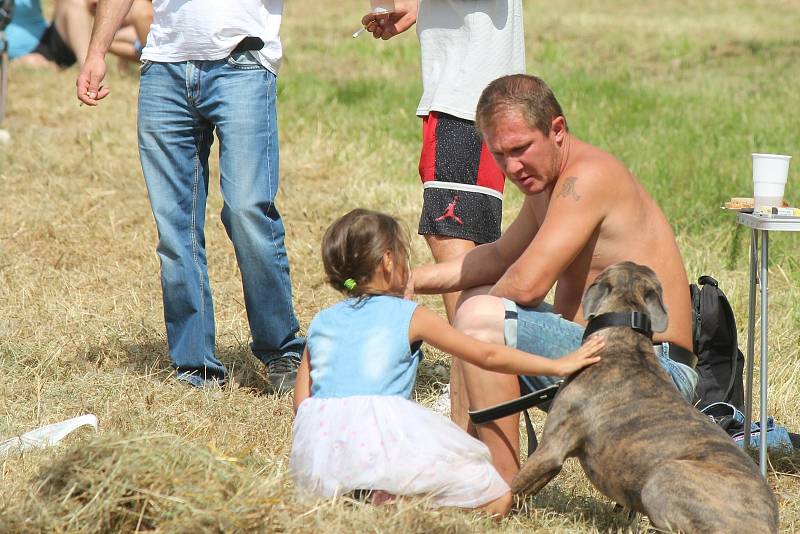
<point>349,284</point>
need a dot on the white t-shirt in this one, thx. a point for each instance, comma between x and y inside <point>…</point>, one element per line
<point>211,29</point>
<point>465,44</point>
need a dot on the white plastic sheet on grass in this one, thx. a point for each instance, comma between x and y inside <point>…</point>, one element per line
<point>46,436</point>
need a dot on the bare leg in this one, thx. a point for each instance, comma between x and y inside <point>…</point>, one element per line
<point>443,249</point>
<point>482,317</point>
<point>459,397</point>
<point>73,22</point>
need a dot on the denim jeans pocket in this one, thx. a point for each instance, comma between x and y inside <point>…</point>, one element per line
<point>244,61</point>
<point>144,66</point>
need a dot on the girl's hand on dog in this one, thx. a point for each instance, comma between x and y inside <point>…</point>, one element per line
<point>587,354</point>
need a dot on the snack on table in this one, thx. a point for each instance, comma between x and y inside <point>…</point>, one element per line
<point>739,203</point>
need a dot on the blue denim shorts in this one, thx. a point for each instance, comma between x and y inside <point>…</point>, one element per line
<point>540,331</point>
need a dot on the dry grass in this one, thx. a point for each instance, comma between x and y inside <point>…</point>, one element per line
<point>80,303</point>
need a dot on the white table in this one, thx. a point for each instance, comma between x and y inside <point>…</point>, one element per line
<point>759,226</point>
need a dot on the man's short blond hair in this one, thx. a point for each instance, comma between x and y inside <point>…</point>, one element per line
<point>518,92</point>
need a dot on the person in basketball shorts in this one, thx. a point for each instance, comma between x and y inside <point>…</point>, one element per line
<point>464,46</point>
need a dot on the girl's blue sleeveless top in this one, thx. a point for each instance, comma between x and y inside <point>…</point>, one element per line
<point>362,348</point>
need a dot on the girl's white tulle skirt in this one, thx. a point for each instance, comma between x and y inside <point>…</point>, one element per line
<point>392,444</point>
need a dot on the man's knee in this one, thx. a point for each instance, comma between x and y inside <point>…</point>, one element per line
<point>481,316</point>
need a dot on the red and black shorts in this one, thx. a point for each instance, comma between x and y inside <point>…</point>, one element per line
<point>463,187</point>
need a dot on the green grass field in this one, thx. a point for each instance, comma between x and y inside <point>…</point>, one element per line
<point>682,92</point>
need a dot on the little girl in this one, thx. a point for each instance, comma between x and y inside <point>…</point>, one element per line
<point>355,427</point>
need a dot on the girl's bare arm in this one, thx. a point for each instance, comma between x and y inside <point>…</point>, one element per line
<point>428,326</point>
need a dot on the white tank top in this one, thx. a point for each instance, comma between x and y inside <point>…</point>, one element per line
<point>465,44</point>
<point>210,29</point>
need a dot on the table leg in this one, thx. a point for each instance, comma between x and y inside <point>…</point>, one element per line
<point>764,344</point>
<point>751,339</point>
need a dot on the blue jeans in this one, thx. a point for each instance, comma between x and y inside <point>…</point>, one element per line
<point>540,331</point>
<point>180,106</point>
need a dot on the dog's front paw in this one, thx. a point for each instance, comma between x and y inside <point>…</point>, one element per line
<point>534,476</point>
<point>525,480</point>
<point>520,485</point>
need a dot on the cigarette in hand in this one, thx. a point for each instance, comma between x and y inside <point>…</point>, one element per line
<point>359,31</point>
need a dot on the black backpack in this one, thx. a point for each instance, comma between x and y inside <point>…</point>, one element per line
<point>720,363</point>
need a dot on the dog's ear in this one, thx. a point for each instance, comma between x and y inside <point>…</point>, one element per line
<point>593,297</point>
<point>656,310</point>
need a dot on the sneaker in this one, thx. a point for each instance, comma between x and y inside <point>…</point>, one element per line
<point>194,379</point>
<point>441,404</point>
<point>282,373</point>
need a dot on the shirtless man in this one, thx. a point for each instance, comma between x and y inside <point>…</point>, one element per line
<point>583,211</point>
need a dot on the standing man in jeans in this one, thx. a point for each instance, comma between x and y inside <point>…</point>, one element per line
<point>463,47</point>
<point>207,66</point>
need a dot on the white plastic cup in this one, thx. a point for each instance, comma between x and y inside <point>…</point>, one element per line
<point>382,6</point>
<point>770,172</point>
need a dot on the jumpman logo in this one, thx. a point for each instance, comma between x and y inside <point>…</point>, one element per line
<point>450,212</point>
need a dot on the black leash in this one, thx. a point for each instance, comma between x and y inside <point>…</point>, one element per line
<point>521,404</point>
<point>524,402</point>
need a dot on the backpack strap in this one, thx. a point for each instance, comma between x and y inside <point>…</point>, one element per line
<point>735,355</point>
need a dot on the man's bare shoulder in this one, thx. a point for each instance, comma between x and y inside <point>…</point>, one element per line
<point>591,170</point>
<point>582,181</point>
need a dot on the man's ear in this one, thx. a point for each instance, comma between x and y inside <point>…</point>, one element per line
<point>558,128</point>
<point>593,297</point>
<point>656,310</point>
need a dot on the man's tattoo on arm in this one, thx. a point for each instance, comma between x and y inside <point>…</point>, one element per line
<point>568,188</point>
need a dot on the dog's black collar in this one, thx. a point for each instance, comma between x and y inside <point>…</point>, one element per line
<point>636,320</point>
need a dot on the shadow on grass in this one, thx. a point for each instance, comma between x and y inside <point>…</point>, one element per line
<point>787,465</point>
<point>149,358</point>
<point>578,509</point>
<point>431,376</point>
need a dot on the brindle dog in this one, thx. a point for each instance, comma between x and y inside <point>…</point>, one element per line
<point>639,442</point>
